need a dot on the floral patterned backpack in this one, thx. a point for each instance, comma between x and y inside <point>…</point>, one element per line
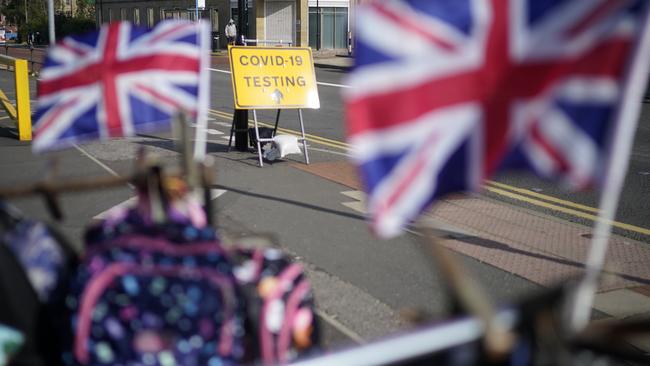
<point>155,295</point>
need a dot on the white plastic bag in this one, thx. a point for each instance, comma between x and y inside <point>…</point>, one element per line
<point>286,144</point>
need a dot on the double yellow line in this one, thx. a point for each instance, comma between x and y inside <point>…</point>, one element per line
<point>505,190</point>
<point>556,204</point>
<point>311,138</point>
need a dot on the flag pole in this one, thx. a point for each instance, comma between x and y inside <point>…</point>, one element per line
<point>204,92</point>
<point>626,122</point>
<point>50,21</point>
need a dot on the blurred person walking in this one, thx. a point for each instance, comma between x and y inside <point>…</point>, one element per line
<point>231,32</point>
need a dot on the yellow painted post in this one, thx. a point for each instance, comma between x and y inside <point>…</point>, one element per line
<point>23,101</point>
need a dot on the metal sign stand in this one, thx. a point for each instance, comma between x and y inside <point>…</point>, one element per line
<point>288,63</point>
<point>303,139</point>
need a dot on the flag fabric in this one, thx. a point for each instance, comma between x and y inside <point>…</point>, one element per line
<point>119,81</point>
<point>450,91</point>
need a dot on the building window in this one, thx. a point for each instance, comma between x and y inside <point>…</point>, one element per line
<point>180,14</point>
<point>150,17</point>
<point>170,14</point>
<point>136,16</point>
<point>333,28</point>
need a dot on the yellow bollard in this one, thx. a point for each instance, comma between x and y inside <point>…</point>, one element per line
<point>23,101</point>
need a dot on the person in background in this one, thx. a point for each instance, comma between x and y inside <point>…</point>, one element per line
<point>231,32</point>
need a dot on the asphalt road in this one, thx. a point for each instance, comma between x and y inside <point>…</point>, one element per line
<point>633,217</point>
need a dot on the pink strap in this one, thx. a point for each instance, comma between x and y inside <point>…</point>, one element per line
<point>293,304</point>
<point>266,338</point>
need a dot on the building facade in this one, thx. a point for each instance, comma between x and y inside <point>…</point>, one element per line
<point>329,24</point>
<point>68,7</point>
<point>321,24</point>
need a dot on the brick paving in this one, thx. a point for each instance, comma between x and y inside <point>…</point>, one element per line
<point>340,172</point>
<point>540,248</point>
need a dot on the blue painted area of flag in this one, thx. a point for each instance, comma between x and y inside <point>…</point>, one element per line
<point>451,91</point>
<point>119,81</point>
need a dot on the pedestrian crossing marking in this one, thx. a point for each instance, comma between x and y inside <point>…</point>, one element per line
<point>211,131</point>
<point>357,195</point>
<point>359,203</point>
<point>214,193</point>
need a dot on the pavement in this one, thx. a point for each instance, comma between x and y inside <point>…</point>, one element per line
<point>342,62</point>
<point>315,212</point>
<point>322,59</point>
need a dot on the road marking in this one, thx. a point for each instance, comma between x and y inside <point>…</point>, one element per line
<point>325,141</point>
<point>123,205</point>
<point>318,82</point>
<point>312,138</point>
<point>211,131</point>
<point>355,195</point>
<point>569,211</point>
<point>359,203</point>
<point>106,167</point>
<point>492,186</point>
<point>329,151</point>
<point>219,70</point>
<point>542,196</point>
<point>222,124</point>
<point>214,193</point>
<point>334,85</point>
<point>357,206</point>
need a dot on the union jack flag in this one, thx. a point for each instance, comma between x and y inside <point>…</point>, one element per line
<point>445,92</point>
<point>119,81</point>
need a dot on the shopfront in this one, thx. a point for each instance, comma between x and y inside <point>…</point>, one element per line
<point>328,24</point>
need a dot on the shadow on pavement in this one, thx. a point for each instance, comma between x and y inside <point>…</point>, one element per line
<point>291,202</point>
<point>491,244</point>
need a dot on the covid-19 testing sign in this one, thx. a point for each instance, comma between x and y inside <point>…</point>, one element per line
<point>273,77</point>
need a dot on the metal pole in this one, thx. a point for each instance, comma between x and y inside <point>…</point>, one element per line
<point>241,115</point>
<point>317,26</point>
<point>100,14</point>
<point>196,11</point>
<point>50,18</point>
<point>304,139</point>
<point>200,146</point>
<point>257,137</point>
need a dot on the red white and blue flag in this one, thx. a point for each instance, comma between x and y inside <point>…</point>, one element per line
<point>446,92</point>
<point>119,81</point>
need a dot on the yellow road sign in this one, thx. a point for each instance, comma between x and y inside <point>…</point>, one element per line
<point>273,77</point>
